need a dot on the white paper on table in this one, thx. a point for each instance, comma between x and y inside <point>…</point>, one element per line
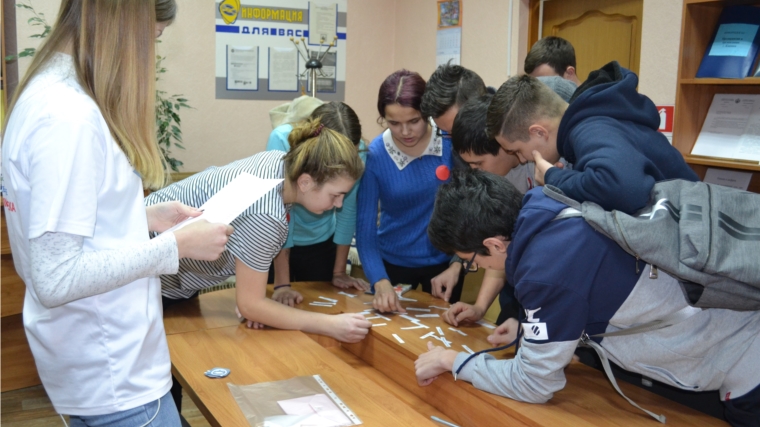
<point>315,410</point>
<point>229,202</point>
<point>731,129</point>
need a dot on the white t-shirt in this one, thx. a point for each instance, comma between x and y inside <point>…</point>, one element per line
<point>63,172</point>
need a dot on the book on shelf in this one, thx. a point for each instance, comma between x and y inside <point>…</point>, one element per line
<point>734,45</point>
<point>731,129</point>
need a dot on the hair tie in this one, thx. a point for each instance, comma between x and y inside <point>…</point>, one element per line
<point>318,130</point>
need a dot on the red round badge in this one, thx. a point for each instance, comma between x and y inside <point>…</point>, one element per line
<point>442,172</point>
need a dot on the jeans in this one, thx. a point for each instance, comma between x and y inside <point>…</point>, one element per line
<point>158,413</point>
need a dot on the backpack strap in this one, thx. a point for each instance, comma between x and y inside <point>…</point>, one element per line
<point>669,320</point>
<point>586,341</point>
<point>557,194</point>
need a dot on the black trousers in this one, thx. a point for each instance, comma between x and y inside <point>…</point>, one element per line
<point>422,276</point>
<point>312,263</point>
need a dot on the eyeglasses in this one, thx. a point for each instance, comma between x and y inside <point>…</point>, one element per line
<point>440,132</point>
<point>470,266</point>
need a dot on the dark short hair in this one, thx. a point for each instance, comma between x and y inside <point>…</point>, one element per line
<point>448,86</point>
<point>404,88</point>
<point>473,206</point>
<point>519,103</point>
<point>468,135</point>
<point>555,51</point>
<point>341,118</point>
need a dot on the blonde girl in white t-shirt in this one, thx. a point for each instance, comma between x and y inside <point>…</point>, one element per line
<point>78,148</point>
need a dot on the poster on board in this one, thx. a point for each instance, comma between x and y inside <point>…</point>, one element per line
<point>256,60</point>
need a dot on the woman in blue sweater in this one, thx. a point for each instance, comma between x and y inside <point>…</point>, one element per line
<point>318,244</point>
<point>404,167</point>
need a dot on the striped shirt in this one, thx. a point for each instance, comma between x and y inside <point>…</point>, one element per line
<point>260,231</point>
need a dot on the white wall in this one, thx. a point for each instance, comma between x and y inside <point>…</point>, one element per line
<point>383,36</point>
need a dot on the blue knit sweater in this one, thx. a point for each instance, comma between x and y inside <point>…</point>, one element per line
<point>406,202</point>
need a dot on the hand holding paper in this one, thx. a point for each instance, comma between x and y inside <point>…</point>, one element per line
<point>229,202</point>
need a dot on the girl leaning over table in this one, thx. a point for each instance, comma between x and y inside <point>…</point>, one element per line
<point>318,244</point>
<point>78,148</point>
<point>319,170</point>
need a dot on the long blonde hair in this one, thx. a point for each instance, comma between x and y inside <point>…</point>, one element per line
<point>113,47</point>
<point>322,153</point>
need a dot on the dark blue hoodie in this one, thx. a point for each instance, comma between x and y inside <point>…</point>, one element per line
<point>609,133</point>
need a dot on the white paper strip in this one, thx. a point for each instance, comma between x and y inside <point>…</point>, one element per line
<point>427,315</point>
<point>467,349</point>
<point>398,338</point>
<point>487,325</point>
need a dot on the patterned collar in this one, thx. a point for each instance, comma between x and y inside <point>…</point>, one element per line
<point>402,160</point>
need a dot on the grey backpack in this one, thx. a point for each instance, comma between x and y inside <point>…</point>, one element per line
<point>707,236</point>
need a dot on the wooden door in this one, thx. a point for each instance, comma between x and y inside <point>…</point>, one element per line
<point>599,30</point>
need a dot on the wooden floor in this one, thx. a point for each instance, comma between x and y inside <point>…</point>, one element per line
<point>30,407</point>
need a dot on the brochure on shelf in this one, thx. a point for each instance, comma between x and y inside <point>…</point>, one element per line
<point>734,45</point>
<point>731,129</point>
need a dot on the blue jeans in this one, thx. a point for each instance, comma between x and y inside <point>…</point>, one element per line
<point>162,412</point>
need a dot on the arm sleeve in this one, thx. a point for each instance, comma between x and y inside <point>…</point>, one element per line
<point>62,272</point>
<point>345,218</point>
<point>608,171</point>
<point>66,164</point>
<point>556,319</point>
<point>366,227</point>
<point>257,239</point>
<point>533,376</point>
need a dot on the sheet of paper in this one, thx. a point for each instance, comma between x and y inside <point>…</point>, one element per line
<point>731,129</point>
<point>283,69</point>
<point>448,46</point>
<point>323,22</point>
<point>317,410</point>
<point>728,178</point>
<point>233,199</point>
<point>242,67</point>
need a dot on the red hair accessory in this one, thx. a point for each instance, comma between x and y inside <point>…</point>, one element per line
<point>318,130</point>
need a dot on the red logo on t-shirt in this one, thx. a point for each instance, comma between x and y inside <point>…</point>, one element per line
<point>9,205</point>
<point>442,172</point>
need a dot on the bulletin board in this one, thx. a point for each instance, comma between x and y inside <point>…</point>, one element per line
<point>256,60</point>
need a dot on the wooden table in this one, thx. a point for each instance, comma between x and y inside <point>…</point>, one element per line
<point>588,398</point>
<point>255,356</point>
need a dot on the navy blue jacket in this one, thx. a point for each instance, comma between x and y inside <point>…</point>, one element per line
<point>609,134</point>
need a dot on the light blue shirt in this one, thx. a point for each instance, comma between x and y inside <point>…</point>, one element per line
<point>308,228</point>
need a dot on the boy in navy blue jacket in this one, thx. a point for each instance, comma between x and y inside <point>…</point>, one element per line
<point>608,133</point>
<point>573,281</point>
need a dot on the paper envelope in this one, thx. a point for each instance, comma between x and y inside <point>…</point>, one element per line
<point>316,410</point>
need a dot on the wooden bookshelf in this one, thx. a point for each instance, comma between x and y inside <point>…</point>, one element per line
<point>694,96</point>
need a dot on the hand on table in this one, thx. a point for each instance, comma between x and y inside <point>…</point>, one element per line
<point>436,361</point>
<point>287,296</point>
<point>386,299</point>
<point>344,281</point>
<point>504,333</point>
<point>163,216</point>
<point>443,284</point>
<point>350,327</point>
<point>249,323</point>
<point>462,312</point>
